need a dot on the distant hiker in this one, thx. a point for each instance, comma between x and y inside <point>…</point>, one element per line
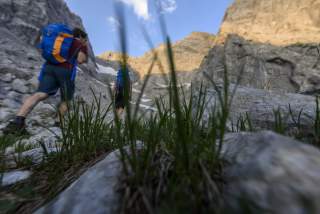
<point>119,89</point>
<point>63,49</point>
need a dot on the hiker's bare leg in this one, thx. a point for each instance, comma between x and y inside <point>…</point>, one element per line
<point>119,111</point>
<point>31,102</point>
<point>63,108</point>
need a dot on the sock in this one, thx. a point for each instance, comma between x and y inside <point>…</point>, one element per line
<point>20,119</point>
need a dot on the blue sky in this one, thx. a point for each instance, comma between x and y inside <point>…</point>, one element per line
<point>182,17</point>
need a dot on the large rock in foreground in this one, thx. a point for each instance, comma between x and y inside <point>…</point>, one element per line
<point>265,173</point>
<point>270,173</point>
<point>94,192</point>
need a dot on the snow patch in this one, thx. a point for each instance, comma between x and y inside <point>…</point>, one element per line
<point>162,85</point>
<point>148,107</point>
<point>136,91</point>
<point>187,85</point>
<point>145,106</point>
<point>145,100</point>
<point>106,70</point>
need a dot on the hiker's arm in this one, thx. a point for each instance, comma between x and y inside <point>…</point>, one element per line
<point>82,57</point>
<point>38,39</point>
<point>114,89</point>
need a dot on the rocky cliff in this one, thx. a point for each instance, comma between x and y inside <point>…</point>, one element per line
<point>20,61</point>
<point>24,19</point>
<point>188,54</point>
<point>269,44</point>
<point>278,22</point>
<point>293,68</point>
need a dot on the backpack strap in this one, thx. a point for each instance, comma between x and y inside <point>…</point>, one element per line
<point>74,62</point>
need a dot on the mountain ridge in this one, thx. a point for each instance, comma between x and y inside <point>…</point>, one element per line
<point>188,53</point>
<point>276,22</point>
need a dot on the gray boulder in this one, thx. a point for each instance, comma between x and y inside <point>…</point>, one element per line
<point>259,105</point>
<point>95,191</point>
<point>270,173</point>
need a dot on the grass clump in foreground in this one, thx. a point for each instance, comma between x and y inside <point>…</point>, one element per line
<point>178,168</point>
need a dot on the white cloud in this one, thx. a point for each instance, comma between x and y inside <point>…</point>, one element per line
<point>140,7</point>
<point>167,6</point>
<point>113,22</point>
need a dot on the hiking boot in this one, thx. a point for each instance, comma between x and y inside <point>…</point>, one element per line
<point>16,127</point>
<point>57,123</point>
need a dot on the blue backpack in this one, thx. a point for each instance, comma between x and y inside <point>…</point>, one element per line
<point>56,42</point>
<point>120,78</point>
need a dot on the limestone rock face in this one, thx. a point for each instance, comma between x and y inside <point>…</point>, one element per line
<point>279,22</point>
<point>188,54</point>
<point>20,62</point>
<point>293,68</point>
<point>25,18</point>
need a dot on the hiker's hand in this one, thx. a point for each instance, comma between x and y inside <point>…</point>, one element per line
<point>82,58</point>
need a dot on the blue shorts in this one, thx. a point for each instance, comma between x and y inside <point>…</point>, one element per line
<point>119,98</point>
<point>53,78</point>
